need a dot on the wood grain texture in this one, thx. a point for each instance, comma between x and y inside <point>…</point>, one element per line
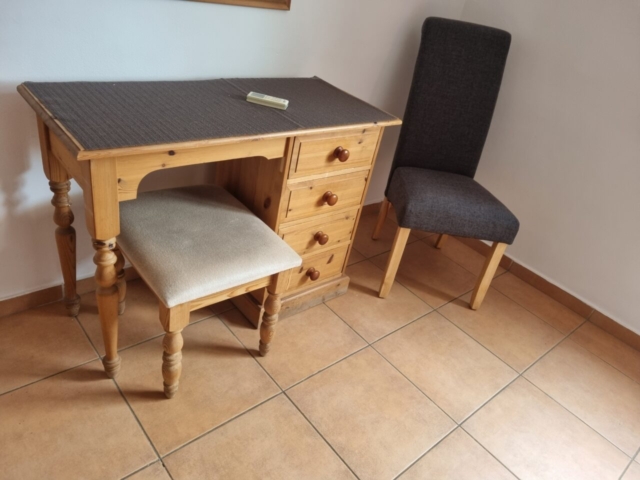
<point>133,168</point>
<point>329,264</point>
<point>275,4</point>
<point>316,154</point>
<point>339,229</point>
<point>487,274</point>
<point>107,298</point>
<point>393,262</point>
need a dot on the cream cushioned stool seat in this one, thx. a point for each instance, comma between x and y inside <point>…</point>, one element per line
<point>195,246</point>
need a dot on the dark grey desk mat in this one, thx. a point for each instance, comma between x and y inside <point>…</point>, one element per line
<point>106,115</point>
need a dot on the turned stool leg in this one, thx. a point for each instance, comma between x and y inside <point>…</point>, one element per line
<point>107,296</point>
<point>121,282</point>
<point>172,362</point>
<point>271,309</point>
<point>173,320</point>
<point>66,243</point>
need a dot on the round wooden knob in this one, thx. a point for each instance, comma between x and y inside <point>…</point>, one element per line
<point>313,274</point>
<point>330,198</point>
<point>341,154</point>
<point>321,237</point>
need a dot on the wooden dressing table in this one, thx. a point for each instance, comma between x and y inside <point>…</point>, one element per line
<point>303,171</point>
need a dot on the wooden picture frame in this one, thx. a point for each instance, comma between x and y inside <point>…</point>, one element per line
<point>276,4</point>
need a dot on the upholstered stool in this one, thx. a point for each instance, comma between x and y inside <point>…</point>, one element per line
<point>197,246</point>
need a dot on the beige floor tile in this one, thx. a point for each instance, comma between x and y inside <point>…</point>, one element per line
<point>369,247</point>
<point>304,343</point>
<point>633,472</point>
<point>40,342</point>
<point>515,335</point>
<point>536,438</point>
<point>372,316</point>
<point>139,322</point>
<point>355,257</point>
<point>455,371</point>
<point>272,441</point>
<point>609,348</point>
<point>607,400</point>
<point>372,416</point>
<point>219,381</point>
<point>153,472</point>
<point>462,254</point>
<point>72,425</point>
<point>458,457</point>
<point>545,307</point>
<point>430,275</point>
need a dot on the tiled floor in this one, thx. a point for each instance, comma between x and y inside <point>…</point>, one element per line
<point>416,386</point>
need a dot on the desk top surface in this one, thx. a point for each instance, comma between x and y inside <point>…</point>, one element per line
<point>114,115</point>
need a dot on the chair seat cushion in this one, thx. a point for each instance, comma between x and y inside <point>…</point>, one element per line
<point>442,202</point>
<point>191,242</point>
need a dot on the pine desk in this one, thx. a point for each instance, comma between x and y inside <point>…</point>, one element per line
<point>303,171</point>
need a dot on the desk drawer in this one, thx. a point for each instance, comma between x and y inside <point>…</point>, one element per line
<point>325,265</point>
<point>331,153</point>
<point>315,236</point>
<point>325,195</point>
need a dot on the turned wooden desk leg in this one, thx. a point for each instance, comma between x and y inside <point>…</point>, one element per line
<point>66,242</point>
<point>107,296</point>
<point>121,282</point>
<point>172,362</point>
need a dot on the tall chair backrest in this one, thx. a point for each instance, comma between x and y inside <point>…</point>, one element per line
<point>454,91</point>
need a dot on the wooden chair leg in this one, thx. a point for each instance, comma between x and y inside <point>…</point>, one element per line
<point>488,271</point>
<point>66,243</point>
<point>121,282</point>
<point>173,321</point>
<point>441,239</point>
<point>107,296</point>
<point>382,216</point>
<point>271,310</point>
<point>399,242</point>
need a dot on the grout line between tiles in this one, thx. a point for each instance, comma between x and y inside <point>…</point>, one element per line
<point>576,416</point>
<point>129,475</point>
<point>213,429</point>
<point>136,417</point>
<point>320,434</point>
<point>48,376</point>
<point>629,464</point>
<point>519,374</point>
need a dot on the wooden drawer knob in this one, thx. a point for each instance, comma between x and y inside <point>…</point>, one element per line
<point>341,154</point>
<point>313,274</point>
<point>330,198</point>
<point>321,237</point>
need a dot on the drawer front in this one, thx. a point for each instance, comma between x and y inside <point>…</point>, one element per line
<point>316,197</point>
<point>314,155</point>
<point>315,236</point>
<point>328,264</point>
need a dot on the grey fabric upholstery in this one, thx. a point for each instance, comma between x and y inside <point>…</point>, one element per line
<point>454,91</point>
<point>190,242</point>
<point>105,115</point>
<point>449,203</point>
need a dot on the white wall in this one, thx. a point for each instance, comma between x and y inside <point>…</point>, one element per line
<point>564,147</point>
<point>562,153</point>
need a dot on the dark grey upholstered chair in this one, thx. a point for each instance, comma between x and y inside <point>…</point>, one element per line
<point>431,187</point>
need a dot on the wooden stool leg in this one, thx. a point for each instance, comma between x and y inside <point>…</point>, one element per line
<point>382,216</point>
<point>271,310</point>
<point>172,362</point>
<point>107,295</point>
<point>66,243</point>
<point>488,271</point>
<point>121,282</point>
<point>393,262</point>
<point>441,239</point>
